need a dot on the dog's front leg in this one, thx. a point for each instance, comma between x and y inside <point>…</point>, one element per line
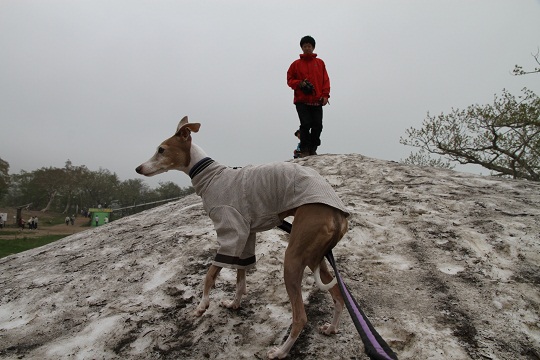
<point>241,290</point>
<point>209,281</point>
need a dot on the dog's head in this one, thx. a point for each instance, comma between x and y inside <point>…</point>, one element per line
<point>173,153</point>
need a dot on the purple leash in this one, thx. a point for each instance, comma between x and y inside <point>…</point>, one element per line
<point>375,346</point>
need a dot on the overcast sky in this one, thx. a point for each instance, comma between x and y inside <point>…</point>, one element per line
<point>102,83</point>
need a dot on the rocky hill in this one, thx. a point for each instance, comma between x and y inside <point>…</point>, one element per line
<point>445,265</point>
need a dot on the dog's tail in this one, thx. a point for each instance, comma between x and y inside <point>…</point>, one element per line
<point>318,281</point>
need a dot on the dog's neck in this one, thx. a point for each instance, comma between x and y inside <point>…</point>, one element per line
<point>197,154</point>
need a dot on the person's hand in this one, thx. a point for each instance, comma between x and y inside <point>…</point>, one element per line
<point>324,101</point>
<point>306,87</point>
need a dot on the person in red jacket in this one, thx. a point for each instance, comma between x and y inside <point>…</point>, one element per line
<point>308,78</point>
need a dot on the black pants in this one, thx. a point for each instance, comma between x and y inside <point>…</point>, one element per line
<point>310,126</point>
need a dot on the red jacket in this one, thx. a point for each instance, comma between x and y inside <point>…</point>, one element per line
<point>313,69</point>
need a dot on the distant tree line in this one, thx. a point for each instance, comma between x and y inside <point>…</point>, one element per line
<point>75,188</point>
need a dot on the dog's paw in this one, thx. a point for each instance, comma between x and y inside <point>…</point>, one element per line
<point>201,309</point>
<point>232,305</point>
<point>199,312</point>
<point>276,353</point>
<point>328,329</point>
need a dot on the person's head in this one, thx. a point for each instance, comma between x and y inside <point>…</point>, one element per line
<point>307,43</point>
<point>297,133</point>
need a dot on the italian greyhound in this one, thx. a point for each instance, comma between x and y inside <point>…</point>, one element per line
<point>244,201</point>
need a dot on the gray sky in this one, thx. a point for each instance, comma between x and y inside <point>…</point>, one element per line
<point>102,83</point>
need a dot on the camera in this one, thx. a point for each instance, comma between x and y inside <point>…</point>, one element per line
<point>307,87</point>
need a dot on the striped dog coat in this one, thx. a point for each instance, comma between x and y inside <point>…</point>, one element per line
<point>243,201</point>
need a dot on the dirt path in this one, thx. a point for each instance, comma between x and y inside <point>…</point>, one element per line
<point>81,224</point>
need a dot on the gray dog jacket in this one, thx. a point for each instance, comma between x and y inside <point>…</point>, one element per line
<point>243,201</point>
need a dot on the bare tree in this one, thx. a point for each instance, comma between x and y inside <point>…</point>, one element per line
<point>503,137</point>
<point>50,181</point>
<point>422,158</point>
<point>518,70</point>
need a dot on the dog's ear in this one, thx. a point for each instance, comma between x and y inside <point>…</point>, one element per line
<point>185,128</point>
<point>182,122</point>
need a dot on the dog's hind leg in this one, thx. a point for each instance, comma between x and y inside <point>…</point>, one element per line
<point>241,290</point>
<point>209,281</point>
<point>317,228</point>
<point>339,303</point>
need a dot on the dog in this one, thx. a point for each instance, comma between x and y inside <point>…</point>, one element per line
<point>244,201</point>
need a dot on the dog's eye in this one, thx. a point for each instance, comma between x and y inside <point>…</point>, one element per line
<point>160,150</point>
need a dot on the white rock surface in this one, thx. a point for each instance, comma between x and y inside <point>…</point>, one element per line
<point>445,264</point>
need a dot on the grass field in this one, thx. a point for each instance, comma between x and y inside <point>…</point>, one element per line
<point>14,246</point>
<point>51,228</point>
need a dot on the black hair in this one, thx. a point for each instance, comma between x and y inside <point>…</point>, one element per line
<point>307,39</point>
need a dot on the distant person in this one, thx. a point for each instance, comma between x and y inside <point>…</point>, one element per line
<point>72,219</point>
<point>96,219</point>
<point>30,223</point>
<point>308,78</point>
<point>67,220</point>
<point>35,222</point>
<point>297,151</point>
<point>21,223</point>
<point>106,220</point>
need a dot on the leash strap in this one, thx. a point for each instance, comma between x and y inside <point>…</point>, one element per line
<point>375,346</point>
